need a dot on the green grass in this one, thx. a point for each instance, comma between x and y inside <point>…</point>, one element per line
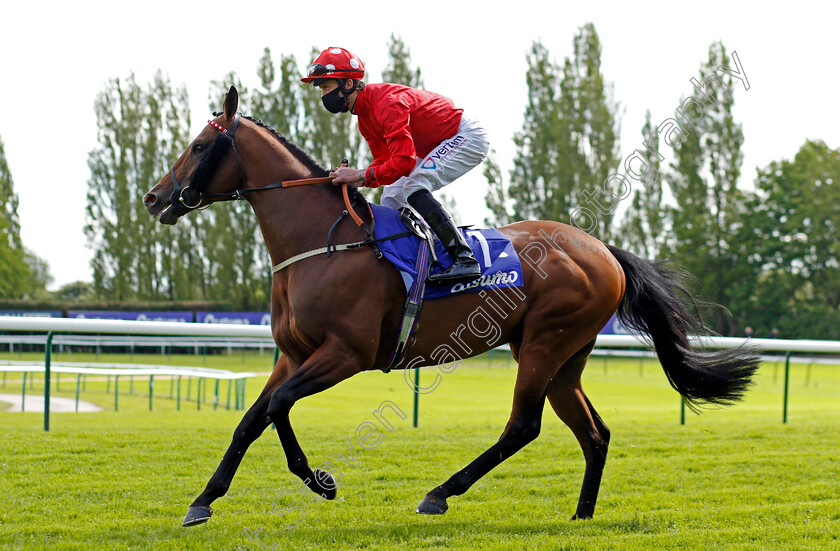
<point>734,478</point>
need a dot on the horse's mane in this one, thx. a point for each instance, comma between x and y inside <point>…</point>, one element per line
<point>356,198</point>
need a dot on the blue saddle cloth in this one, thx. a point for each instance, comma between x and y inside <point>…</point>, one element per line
<point>500,265</point>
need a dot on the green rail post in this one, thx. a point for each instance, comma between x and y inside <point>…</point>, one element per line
<point>178,403</point>
<point>23,395</point>
<point>198,395</point>
<point>228,395</point>
<point>682,411</point>
<point>47,372</point>
<point>216,397</point>
<point>416,396</point>
<point>78,384</point>
<point>787,381</point>
<point>151,390</point>
<point>276,356</point>
<point>116,391</point>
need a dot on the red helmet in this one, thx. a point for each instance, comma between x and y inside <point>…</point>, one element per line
<point>335,63</point>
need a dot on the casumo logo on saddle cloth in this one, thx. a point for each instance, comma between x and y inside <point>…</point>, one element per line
<point>500,265</point>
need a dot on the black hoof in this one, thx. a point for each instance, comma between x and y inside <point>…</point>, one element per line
<point>581,517</point>
<point>197,514</point>
<point>323,484</point>
<point>432,505</point>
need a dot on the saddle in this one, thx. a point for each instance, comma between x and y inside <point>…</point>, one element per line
<point>409,244</point>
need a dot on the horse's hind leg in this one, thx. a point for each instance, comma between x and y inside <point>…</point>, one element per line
<point>572,406</point>
<point>537,364</point>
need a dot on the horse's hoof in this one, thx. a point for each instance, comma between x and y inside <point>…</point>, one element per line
<point>197,514</point>
<point>324,484</point>
<point>432,505</point>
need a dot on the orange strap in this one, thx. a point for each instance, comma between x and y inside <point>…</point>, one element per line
<point>359,222</point>
<point>307,181</point>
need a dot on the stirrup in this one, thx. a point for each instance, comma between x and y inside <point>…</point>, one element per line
<point>461,269</point>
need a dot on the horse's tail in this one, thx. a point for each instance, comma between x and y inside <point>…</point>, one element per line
<point>652,307</point>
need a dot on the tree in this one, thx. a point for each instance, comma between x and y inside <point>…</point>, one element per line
<point>537,174</point>
<point>703,180</point>
<point>76,291</point>
<point>15,275</point>
<point>398,69</point>
<point>791,237</point>
<point>496,200</point>
<point>590,117</point>
<point>40,277</point>
<point>140,133</point>
<point>567,147</point>
<point>277,100</point>
<point>643,228</point>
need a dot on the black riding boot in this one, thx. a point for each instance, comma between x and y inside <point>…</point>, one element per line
<point>465,266</point>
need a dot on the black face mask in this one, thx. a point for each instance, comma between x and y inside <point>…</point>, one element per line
<point>335,103</point>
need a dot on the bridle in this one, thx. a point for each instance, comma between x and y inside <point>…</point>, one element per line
<point>191,198</point>
<point>185,196</point>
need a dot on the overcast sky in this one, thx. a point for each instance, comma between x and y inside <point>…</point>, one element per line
<point>55,57</point>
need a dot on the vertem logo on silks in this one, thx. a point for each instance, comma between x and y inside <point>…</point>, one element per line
<point>441,152</point>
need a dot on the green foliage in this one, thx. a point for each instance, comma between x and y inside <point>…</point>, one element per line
<point>8,205</point>
<point>140,133</point>
<point>497,199</point>
<point>709,206</point>
<point>17,278</point>
<point>792,245</point>
<point>399,70</point>
<point>643,228</point>
<point>567,147</point>
<point>14,272</point>
<point>75,291</point>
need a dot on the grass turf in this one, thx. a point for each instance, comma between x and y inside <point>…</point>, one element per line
<point>735,478</point>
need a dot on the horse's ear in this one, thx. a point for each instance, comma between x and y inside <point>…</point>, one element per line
<point>231,102</point>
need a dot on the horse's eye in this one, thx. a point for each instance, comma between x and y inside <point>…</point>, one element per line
<point>199,148</point>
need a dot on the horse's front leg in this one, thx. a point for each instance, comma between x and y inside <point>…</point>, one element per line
<point>331,363</point>
<point>249,429</point>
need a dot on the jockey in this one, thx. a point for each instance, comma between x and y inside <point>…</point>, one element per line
<point>419,140</point>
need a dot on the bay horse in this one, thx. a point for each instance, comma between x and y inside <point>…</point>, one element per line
<point>333,316</point>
